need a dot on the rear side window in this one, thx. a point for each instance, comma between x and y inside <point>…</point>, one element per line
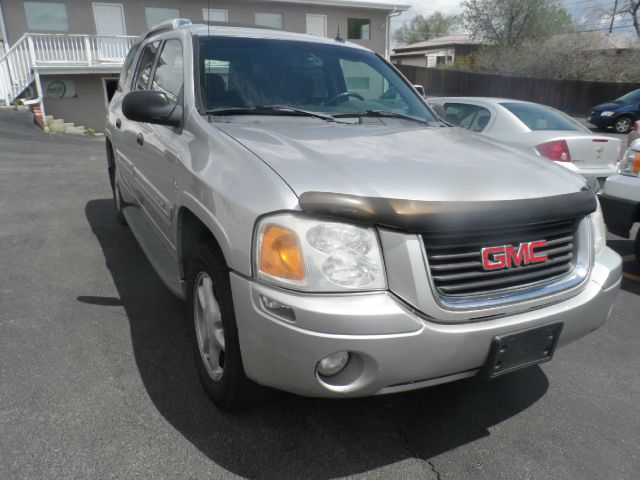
<point>169,75</point>
<point>539,117</point>
<point>145,64</point>
<point>471,117</point>
<point>127,68</point>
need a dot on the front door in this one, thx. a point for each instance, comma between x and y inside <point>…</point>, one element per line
<point>109,18</point>
<point>317,24</point>
<point>159,147</point>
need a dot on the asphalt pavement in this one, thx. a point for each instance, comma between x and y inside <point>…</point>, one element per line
<point>97,378</point>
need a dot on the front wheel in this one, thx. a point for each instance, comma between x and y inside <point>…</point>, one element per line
<point>623,125</point>
<point>214,332</point>
<point>117,200</point>
<point>638,247</point>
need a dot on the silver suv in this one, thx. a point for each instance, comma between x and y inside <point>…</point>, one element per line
<point>330,236</point>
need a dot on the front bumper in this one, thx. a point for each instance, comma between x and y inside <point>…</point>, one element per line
<point>619,214</point>
<point>601,122</point>
<point>393,347</point>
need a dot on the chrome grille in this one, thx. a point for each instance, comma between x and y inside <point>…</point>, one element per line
<point>455,259</point>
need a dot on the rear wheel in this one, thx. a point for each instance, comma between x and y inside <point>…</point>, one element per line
<point>623,125</point>
<point>214,332</point>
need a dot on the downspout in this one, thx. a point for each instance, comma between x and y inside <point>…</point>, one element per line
<point>3,27</point>
<point>387,40</point>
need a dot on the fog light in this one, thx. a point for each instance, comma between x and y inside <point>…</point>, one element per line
<point>332,364</point>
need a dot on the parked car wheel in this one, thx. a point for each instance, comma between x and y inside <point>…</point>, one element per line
<point>623,125</point>
<point>214,333</point>
<point>117,200</point>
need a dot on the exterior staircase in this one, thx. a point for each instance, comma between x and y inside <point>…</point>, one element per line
<point>16,70</point>
<point>58,125</point>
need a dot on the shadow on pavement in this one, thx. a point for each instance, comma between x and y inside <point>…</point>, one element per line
<point>291,437</point>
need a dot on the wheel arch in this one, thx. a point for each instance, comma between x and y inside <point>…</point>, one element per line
<point>195,226</point>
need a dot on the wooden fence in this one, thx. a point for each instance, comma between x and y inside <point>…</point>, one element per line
<point>571,96</point>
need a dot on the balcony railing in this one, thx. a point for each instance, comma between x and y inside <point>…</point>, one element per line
<point>44,50</point>
<point>75,50</point>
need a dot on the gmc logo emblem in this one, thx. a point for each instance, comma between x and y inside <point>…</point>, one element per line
<point>508,256</point>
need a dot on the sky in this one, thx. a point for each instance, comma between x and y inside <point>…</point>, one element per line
<point>589,13</point>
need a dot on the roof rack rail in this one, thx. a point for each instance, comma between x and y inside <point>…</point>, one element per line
<point>168,25</point>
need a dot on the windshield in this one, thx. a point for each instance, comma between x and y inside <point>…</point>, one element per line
<point>631,98</point>
<point>539,117</point>
<point>316,77</point>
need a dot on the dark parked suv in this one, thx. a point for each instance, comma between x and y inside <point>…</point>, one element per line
<point>619,114</point>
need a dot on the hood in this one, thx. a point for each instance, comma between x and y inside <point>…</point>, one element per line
<point>430,163</point>
<point>613,106</point>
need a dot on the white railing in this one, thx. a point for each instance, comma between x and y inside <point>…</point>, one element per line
<point>57,50</point>
<point>16,70</point>
<point>88,50</point>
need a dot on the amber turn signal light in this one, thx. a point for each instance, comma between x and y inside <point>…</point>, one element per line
<point>636,164</point>
<point>280,255</point>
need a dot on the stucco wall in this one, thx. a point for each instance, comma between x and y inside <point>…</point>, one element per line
<point>86,108</point>
<point>81,20</point>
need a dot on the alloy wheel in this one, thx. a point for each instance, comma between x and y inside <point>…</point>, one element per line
<point>208,326</point>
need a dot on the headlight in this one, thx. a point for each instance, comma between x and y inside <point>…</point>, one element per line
<point>607,114</point>
<point>598,229</point>
<point>319,256</point>
<point>630,164</point>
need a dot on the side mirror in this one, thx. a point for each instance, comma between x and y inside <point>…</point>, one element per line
<point>151,107</point>
<point>420,90</point>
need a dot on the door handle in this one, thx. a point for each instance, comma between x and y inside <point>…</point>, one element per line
<point>118,123</point>
<point>140,139</point>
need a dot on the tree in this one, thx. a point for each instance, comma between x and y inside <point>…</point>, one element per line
<point>508,23</point>
<point>632,8</point>
<point>420,28</point>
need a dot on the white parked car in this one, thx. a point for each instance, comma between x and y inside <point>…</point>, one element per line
<point>536,128</point>
<point>620,198</point>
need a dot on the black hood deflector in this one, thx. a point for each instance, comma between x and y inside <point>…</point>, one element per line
<point>428,216</point>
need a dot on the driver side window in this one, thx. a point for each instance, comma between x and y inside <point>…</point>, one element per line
<point>145,64</point>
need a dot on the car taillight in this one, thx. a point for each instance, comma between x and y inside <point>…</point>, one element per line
<point>556,150</point>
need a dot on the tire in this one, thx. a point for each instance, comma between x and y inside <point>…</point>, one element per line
<point>623,125</point>
<point>214,334</point>
<point>117,200</point>
<point>638,248</point>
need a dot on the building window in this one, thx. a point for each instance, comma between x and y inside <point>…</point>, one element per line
<point>214,15</point>
<point>49,16</point>
<point>157,15</point>
<point>440,60</point>
<point>271,20</point>
<point>358,29</point>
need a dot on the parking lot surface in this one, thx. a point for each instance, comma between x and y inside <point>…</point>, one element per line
<point>97,378</point>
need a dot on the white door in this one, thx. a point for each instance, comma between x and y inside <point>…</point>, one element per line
<point>317,24</point>
<point>109,19</point>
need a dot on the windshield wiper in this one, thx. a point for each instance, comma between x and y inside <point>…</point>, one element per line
<point>269,110</point>
<point>382,114</point>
